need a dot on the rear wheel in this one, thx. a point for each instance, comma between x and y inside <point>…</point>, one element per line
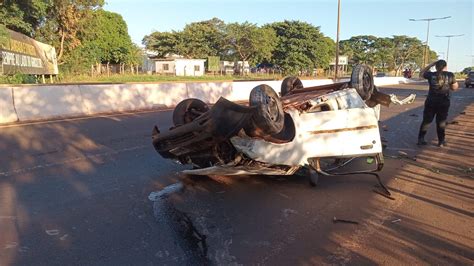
<point>188,110</point>
<point>289,84</point>
<point>269,117</point>
<point>363,81</point>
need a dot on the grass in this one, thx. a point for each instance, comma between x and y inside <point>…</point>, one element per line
<point>129,78</point>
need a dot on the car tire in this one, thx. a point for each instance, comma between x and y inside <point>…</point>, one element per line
<point>269,117</point>
<point>289,84</point>
<point>313,177</point>
<point>188,110</point>
<point>363,81</point>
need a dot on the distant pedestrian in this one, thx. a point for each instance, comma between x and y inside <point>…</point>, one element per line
<point>437,103</point>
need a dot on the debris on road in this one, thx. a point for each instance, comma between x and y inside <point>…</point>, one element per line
<point>336,220</point>
<point>414,115</point>
<point>396,221</point>
<point>383,194</point>
<point>52,232</point>
<point>166,191</point>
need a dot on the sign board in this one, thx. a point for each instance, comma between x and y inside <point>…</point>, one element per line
<point>343,60</point>
<point>22,54</point>
<point>213,63</point>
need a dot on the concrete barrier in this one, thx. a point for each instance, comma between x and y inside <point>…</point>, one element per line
<point>42,102</point>
<point>7,110</point>
<point>161,94</point>
<point>111,98</point>
<point>241,89</point>
<point>391,80</point>
<point>209,92</point>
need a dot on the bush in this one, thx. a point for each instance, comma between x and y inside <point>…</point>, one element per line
<point>17,79</point>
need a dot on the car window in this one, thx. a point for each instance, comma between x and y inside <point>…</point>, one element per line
<point>471,74</point>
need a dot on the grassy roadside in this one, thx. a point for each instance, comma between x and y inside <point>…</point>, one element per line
<point>129,78</point>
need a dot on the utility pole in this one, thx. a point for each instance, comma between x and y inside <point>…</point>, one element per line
<point>449,38</point>
<point>337,38</point>
<point>427,33</point>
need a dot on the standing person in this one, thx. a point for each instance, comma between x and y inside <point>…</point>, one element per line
<point>437,103</point>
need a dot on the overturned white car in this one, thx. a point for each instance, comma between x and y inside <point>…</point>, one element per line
<point>279,135</point>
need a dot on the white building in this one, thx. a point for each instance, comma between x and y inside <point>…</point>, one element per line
<point>175,65</point>
<point>237,67</point>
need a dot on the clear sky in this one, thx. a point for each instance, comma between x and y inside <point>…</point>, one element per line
<point>382,18</point>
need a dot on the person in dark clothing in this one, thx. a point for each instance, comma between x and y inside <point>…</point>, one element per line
<point>437,103</point>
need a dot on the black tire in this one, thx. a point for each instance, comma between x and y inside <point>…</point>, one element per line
<point>363,81</point>
<point>313,177</point>
<point>269,117</point>
<point>289,84</point>
<point>188,110</point>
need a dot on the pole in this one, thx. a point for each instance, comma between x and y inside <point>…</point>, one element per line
<point>449,39</point>
<point>427,34</point>
<point>447,52</point>
<point>426,45</point>
<point>337,38</point>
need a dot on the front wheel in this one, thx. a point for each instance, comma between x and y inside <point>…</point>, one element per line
<point>269,117</point>
<point>363,81</point>
<point>289,84</point>
<point>188,110</point>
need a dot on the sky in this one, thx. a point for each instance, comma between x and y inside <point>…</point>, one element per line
<point>382,18</point>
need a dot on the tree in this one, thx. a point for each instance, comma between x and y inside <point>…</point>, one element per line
<point>196,40</point>
<point>406,50</point>
<point>360,49</point>
<point>103,39</point>
<point>24,16</point>
<point>383,53</point>
<point>64,21</point>
<point>301,46</point>
<point>163,43</point>
<point>202,39</point>
<point>467,70</point>
<point>393,53</point>
<point>248,42</point>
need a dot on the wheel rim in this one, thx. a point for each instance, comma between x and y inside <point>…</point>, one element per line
<point>271,107</point>
<point>367,81</point>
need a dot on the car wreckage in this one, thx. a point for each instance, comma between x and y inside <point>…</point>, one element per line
<point>275,135</point>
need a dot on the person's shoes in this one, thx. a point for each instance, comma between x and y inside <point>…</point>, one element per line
<point>442,144</point>
<point>422,142</point>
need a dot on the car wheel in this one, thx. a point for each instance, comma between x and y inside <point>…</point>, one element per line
<point>188,110</point>
<point>313,176</point>
<point>269,117</point>
<point>363,81</point>
<point>289,84</point>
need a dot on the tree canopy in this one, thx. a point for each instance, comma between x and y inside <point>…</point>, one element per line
<point>394,53</point>
<point>85,34</point>
<point>301,46</point>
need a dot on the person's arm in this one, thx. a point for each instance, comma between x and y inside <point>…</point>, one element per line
<point>423,71</point>
<point>454,84</point>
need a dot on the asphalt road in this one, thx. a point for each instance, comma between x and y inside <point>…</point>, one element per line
<point>77,192</point>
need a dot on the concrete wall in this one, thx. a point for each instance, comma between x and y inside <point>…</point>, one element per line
<point>7,110</point>
<point>25,103</point>
<point>44,102</point>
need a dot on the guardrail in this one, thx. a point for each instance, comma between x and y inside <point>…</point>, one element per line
<point>27,103</point>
